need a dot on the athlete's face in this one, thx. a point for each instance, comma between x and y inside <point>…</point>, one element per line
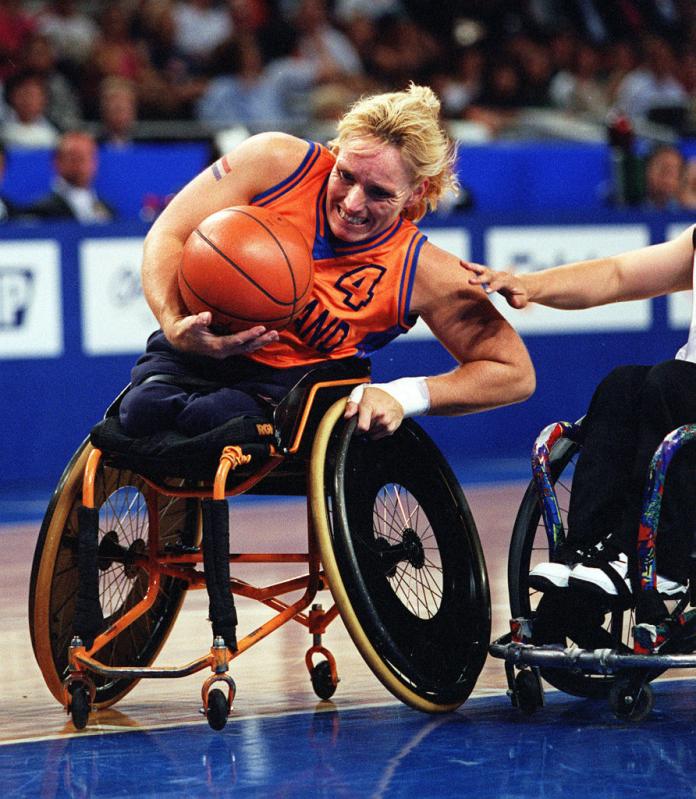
<point>369,187</point>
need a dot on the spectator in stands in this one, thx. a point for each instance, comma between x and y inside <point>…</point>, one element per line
<point>620,58</point>
<point>321,41</point>
<point>113,54</point>
<point>537,69</point>
<point>245,91</point>
<point>26,124</point>
<point>239,92</point>
<point>200,26</point>
<point>663,178</point>
<point>459,84</point>
<point>64,108</point>
<point>167,87</point>
<point>581,89</point>
<point>653,90</point>
<point>16,26</point>
<point>72,32</point>
<point>687,192</point>
<point>72,194</point>
<point>403,51</point>
<point>118,112</point>
<point>500,100</point>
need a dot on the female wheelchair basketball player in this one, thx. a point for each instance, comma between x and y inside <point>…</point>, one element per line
<point>375,273</point>
<point>383,504</point>
<point>639,422</point>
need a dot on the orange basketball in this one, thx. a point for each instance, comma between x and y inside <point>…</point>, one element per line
<point>248,266</point>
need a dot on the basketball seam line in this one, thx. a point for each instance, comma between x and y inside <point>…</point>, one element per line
<point>239,316</point>
<point>239,269</point>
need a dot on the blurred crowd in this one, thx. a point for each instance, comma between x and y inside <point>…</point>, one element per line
<point>110,67</point>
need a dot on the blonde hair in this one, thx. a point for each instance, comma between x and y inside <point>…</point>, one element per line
<point>410,120</point>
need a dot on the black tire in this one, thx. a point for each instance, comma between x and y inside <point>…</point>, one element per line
<point>528,692</point>
<point>404,562</point>
<point>79,706</point>
<point>529,545</point>
<point>322,682</point>
<point>120,497</point>
<point>218,710</point>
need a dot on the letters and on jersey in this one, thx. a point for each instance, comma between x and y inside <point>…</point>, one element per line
<point>362,291</point>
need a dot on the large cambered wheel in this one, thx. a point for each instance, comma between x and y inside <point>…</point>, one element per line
<point>528,546</point>
<point>126,506</point>
<point>403,560</point>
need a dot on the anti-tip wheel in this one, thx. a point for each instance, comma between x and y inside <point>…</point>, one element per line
<point>79,706</point>
<point>528,693</point>
<point>218,709</point>
<point>631,703</point>
<point>322,681</point>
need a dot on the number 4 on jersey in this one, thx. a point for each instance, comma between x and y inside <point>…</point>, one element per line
<point>358,285</point>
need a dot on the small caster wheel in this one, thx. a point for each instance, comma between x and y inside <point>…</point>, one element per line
<point>528,694</point>
<point>322,682</point>
<point>218,709</point>
<point>79,705</point>
<point>631,703</point>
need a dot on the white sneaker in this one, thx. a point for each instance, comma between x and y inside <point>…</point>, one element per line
<point>546,576</point>
<point>602,577</point>
<point>611,578</point>
<point>670,589</point>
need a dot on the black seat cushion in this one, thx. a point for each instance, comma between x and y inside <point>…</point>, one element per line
<point>171,454</point>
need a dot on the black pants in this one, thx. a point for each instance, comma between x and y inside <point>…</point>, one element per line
<point>631,411</point>
<point>237,386</point>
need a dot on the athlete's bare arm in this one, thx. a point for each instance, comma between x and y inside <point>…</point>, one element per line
<point>494,367</point>
<point>634,275</point>
<point>255,165</point>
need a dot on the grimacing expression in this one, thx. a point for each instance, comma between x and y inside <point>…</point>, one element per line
<point>368,188</point>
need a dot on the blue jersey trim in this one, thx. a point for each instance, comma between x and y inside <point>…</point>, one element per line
<point>408,277</point>
<point>292,180</point>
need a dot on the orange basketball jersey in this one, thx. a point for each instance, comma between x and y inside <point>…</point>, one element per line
<point>362,291</point>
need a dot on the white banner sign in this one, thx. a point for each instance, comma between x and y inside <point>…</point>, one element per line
<point>115,317</point>
<point>31,319</point>
<point>529,249</point>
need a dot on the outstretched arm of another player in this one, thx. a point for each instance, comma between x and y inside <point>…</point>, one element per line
<point>633,275</point>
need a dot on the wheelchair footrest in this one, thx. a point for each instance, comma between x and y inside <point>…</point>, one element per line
<point>593,661</point>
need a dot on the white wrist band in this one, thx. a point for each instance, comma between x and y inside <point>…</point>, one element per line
<point>410,392</point>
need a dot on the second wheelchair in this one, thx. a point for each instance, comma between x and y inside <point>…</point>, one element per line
<point>631,654</point>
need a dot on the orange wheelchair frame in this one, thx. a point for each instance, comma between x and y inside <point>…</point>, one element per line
<point>440,563</point>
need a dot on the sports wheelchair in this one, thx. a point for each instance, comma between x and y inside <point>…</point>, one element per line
<point>136,523</point>
<point>631,653</point>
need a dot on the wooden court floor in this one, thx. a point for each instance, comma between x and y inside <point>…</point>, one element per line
<point>271,677</point>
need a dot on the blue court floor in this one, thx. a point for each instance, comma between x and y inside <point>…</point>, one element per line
<point>570,748</point>
<point>358,747</point>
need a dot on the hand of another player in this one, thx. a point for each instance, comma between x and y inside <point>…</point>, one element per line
<point>379,414</point>
<point>194,334</point>
<point>505,283</point>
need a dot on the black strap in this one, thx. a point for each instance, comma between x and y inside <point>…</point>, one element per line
<point>216,552</point>
<point>622,590</point>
